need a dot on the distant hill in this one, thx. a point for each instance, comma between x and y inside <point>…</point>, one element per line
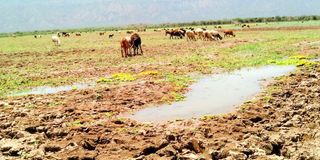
<point>24,15</point>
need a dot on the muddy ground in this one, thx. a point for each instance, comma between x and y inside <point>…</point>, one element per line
<point>281,123</point>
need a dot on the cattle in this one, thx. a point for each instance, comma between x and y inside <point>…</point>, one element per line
<point>125,44</point>
<point>111,35</point>
<point>65,34</point>
<point>131,42</point>
<point>245,25</point>
<point>37,36</point>
<point>212,35</point>
<point>191,35</point>
<point>78,34</point>
<point>129,32</point>
<point>136,44</point>
<point>199,32</point>
<point>182,31</point>
<point>216,35</point>
<point>102,33</point>
<point>228,33</point>
<point>56,40</point>
<point>174,34</point>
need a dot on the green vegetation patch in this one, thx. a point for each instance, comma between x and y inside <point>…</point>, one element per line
<point>118,77</point>
<point>297,60</point>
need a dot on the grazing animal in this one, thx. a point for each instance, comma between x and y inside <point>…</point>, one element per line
<point>129,32</point>
<point>65,34</point>
<point>207,36</point>
<point>136,44</point>
<point>183,31</point>
<point>101,33</point>
<point>228,33</point>
<point>37,36</point>
<point>56,40</point>
<point>215,35</point>
<point>191,35</point>
<point>78,34</point>
<point>125,44</point>
<point>212,35</point>
<point>174,34</point>
<point>245,25</point>
<point>111,35</point>
<point>199,33</point>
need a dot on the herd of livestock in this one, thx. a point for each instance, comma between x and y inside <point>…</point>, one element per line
<point>132,43</point>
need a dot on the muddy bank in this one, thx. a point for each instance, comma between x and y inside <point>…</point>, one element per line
<point>282,123</point>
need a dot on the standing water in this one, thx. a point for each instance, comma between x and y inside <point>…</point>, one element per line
<point>51,90</point>
<point>215,94</point>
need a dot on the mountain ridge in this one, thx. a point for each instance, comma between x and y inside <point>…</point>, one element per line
<point>24,15</point>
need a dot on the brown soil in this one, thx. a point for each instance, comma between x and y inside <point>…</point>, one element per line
<point>83,124</point>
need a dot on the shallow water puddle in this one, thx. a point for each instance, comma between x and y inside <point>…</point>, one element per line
<point>214,94</point>
<point>315,60</point>
<point>52,90</point>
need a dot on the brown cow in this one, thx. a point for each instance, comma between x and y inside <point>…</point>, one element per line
<point>78,34</point>
<point>125,44</point>
<point>212,35</point>
<point>228,33</point>
<point>101,33</point>
<point>174,33</point>
<point>191,35</point>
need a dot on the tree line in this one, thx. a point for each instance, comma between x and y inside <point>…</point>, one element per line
<point>168,25</point>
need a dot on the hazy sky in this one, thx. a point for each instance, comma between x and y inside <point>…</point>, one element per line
<point>28,15</point>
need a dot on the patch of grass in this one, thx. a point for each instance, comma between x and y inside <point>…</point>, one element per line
<point>149,73</point>
<point>77,123</point>
<point>30,106</point>
<point>121,130</point>
<point>297,60</point>
<point>109,114</point>
<point>123,77</point>
<point>177,96</point>
<point>54,104</point>
<point>74,88</point>
<point>117,77</point>
<point>208,117</point>
<point>104,80</point>
<point>179,80</point>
